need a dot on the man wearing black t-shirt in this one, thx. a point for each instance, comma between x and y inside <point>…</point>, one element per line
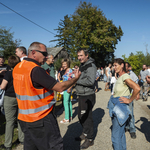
<point>44,132</point>
<point>3,68</point>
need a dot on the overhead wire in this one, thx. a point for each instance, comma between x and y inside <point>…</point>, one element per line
<point>27,19</point>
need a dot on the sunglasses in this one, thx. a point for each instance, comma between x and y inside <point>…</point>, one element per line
<point>43,53</point>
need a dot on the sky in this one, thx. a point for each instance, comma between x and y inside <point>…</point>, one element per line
<point>132,15</point>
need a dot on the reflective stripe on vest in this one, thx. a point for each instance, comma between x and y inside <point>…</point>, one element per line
<point>33,98</point>
<point>31,111</point>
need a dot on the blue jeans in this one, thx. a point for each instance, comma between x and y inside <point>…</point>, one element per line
<point>118,135</point>
<point>144,89</point>
<point>105,78</point>
<point>131,123</point>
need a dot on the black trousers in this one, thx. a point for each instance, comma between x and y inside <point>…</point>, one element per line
<point>96,84</point>
<point>85,107</point>
<point>43,134</point>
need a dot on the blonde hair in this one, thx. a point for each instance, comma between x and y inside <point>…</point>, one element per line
<point>67,61</point>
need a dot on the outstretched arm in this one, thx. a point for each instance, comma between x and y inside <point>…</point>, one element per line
<point>61,86</point>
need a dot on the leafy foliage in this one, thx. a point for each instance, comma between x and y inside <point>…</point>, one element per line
<point>89,28</point>
<point>7,44</point>
<point>73,63</point>
<point>137,60</point>
<point>57,64</point>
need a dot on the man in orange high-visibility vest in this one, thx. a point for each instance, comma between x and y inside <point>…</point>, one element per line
<point>35,97</point>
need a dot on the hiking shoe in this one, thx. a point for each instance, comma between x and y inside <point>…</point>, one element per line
<point>5,148</point>
<point>144,98</point>
<point>81,137</point>
<point>87,143</point>
<point>133,135</point>
<point>17,142</point>
<point>108,90</point>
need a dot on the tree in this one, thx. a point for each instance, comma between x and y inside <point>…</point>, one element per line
<point>7,44</point>
<point>147,57</point>
<point>57,64</point>
<point>89,28</point>
<point>136,61</point>
<point>64,37</point>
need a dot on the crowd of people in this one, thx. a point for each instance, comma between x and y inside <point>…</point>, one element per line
<point>29,84</point>
<point>109,76</point>
<point>126,86</point>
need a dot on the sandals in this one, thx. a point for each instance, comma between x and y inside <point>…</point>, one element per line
<point>64,121</point>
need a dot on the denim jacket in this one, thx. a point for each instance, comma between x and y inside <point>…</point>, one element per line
<point>120,110</point>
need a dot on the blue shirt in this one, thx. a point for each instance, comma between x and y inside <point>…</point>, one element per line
<point>97,74</point>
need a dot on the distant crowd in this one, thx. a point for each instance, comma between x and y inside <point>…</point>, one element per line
<point>109,76</point>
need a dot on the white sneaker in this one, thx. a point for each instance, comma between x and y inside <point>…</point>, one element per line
<point>64,121</point>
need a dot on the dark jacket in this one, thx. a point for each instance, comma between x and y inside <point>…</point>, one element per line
<point>49,68</point>
<point>85,84</point>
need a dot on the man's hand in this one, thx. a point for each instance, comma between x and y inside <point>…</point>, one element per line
<point>148,79</point>
<point>1,71</point>
<point>59,87</point>
<point>77,73</point>
<point>69,90</point>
